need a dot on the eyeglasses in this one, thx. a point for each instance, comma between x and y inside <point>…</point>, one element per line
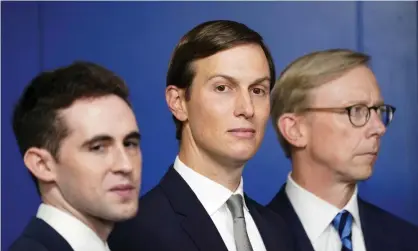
<point>359,114</point>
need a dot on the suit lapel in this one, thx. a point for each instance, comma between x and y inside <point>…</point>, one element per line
<point>281,205</point>
<point>266,233</point>
<point>373,234</point>
<point>203,233</point>
<point>41,231</point>
<point>196,223</point>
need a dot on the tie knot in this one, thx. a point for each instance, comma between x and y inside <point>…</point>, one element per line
<point>235,205</point>
<point>342,223</point>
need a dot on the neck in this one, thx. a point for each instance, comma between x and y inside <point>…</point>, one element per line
<point>222,170</point>
<point>321,181</point>
<point>101,227</point>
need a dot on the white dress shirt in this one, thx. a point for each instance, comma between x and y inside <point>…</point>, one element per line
<point>317,215</point>
<point>213,197</point>
<point>76,233</point>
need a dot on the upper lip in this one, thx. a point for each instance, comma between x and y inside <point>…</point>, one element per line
<point>122,187</point>
<point>372,153</point>
<point>242,129</point>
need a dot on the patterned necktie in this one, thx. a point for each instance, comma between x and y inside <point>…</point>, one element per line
<point>235,205</point>
<point>342,223</point>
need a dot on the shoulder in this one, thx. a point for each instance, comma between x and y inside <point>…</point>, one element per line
<point>37,235</point>
<point>24,243</point>
<point>151,206</point>
<point>279,200</point>
<point>266,213</point>
<point>153,217</point>
<point>389,222</point>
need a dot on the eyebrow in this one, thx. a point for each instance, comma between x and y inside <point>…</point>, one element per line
<point>379,102</point>
<point>235,81</point>
<point>364,102</point>
<point>104,137</point>
<point>97,138</point>
<point>133,135</point>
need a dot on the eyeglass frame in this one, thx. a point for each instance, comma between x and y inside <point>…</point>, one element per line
<point>348,110</point>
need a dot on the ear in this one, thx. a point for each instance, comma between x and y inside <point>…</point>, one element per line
<point>292,129</point>
<point>40,163</point>
<point>176,101</point>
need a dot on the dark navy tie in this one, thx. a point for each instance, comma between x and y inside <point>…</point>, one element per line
<point>342,223</point>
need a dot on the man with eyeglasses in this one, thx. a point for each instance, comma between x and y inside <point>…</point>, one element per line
<point>329,115</point>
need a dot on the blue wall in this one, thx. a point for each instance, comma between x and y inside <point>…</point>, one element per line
<point>135,39</point>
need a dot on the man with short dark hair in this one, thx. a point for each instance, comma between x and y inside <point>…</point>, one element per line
<point>218,87</point>
<point>79,139</point>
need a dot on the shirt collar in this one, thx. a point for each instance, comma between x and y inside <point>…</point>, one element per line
<point>212,195</point>
<point>76,233</point>
<point>315,213</point>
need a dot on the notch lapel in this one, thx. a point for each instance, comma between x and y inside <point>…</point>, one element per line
<point>374,236</point>
<point>266,233</point>
<point>196,222</point>
<point>52,240</point>
<point>282,206</point>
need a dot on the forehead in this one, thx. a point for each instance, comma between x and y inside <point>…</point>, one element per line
<point>358,85</point>
<point>108,115</point>
<point>241,62</point>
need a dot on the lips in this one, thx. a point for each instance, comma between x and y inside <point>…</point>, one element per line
<point>369,156</point>
<point>122,187</point>
<point>125,191</point>
<point>242,132</point>
<point>370,153</point>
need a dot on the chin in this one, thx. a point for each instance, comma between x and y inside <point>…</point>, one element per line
<point>364,173</point>
<point>242,156</point>
<point>124,212</point>
<point>243,149</point>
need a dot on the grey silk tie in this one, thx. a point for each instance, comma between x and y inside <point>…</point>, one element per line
<point>235,205</point>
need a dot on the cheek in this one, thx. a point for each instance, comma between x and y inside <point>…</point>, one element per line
<point>348,137</point>
<point>136,162</point>
<point>84,173</point>
<point>335,140</point>
<point>209,116</point>
<point>326,136</point>
<point>261,111</point>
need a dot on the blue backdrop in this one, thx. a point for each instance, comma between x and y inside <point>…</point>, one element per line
<point>135,39</point>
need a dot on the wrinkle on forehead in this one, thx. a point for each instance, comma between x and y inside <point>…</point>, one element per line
<point>235,62</point>
<point>110,115</point>
<point>356,86</point>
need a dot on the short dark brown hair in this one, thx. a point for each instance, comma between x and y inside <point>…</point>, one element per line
<point>203,41</point>
<point>36,121</point>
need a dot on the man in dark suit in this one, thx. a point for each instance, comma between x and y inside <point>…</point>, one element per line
<point>218,86</point>
<point>80,141</point>
<point>330,116</point>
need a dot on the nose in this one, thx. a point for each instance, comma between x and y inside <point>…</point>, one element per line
<point>376,125</point>
<point>123,163</point>
<point>244,105</point>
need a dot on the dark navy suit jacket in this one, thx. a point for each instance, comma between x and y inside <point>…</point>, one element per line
<point>171,218</point>
<point>382,231</point>
<point>39,236</point>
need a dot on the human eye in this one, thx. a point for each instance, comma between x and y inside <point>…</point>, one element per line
<point>383,109</point>
<point>98,148</point>
<point>222,88</point>
<point>131,144</point>
<point>359,110</point>
<point>258,91</point>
